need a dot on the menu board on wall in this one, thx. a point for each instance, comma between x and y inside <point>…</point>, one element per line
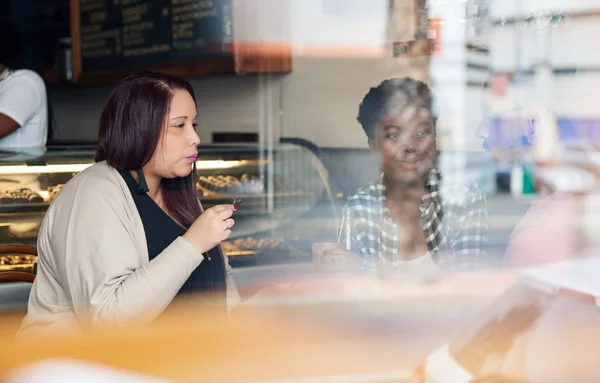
<point>120,36</point>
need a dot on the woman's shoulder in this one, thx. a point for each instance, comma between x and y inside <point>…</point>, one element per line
<point>367,197</point>
<point>95,197</point>
<point>26,76</point>
<point>101,173</point>
<point>100,179</point>
<point>370,191</point>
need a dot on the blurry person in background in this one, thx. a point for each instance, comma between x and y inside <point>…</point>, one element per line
<point>550,231</point>
<point>499,129</point>
<point>403,219</point>
<point>127,237</point>
<point>557,227</point>
<point>23,101</point>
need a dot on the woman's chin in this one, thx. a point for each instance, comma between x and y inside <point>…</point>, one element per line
<point>182,171</point>
<point>185,173</point>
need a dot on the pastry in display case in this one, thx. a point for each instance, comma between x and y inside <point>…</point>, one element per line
<point>18,262</point>
<point>246,251</point>
<point>278,187</point>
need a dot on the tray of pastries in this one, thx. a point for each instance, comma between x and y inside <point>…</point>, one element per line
<point>26,200</point>
<point>19,196</point>
<point>232,250</point>
<point>250,251</point>
<point>226,184</point>
<point>21,200</point>
<point>245,184</point>
<point>17,262</point>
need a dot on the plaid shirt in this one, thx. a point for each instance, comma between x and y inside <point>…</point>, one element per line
<point>455,227</point>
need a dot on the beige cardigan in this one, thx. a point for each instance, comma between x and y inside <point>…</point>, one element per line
<point>93,260</point>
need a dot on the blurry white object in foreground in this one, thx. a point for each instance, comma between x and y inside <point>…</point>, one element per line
<point>313,27</point>
<point>568,160</point>
<point>73,371</point>
<point>544,329</point>
<point>591,220</point>
<point>368,288</point>
<point>567,179</point>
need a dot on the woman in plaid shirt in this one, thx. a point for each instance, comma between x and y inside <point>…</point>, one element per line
<point>406,218</point>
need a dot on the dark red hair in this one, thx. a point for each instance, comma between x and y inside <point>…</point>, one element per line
<point>131,124</point>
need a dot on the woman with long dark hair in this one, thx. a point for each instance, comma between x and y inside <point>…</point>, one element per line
<point>127,236</point>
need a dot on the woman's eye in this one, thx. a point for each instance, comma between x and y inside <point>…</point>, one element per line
<point>195,125</point>
<point>391,136</point>
<point>422,133</point>
<point>180,126</point>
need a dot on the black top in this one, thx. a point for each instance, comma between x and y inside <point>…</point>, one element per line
<point>161,230</point>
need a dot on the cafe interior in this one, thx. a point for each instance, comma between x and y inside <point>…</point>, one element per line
<point>278,86</point>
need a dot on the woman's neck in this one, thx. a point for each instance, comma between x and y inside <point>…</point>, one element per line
<point>405,192</point>
<point>404,203</point>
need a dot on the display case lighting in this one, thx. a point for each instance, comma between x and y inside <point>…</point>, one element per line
<point>43,169</point>
<point>220,164</point>
<point>76,168</point>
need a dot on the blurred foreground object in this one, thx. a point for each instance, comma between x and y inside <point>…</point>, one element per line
<point>67,371</point>
<point>546,328</point>
<point>334,257</point>
<point>346,328</point>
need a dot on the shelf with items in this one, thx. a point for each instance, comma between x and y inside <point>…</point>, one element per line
<point>18,262</point>
<point>276,190</point>
<point>250,251</point>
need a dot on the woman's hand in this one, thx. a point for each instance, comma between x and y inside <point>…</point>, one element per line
<point>211,228</point>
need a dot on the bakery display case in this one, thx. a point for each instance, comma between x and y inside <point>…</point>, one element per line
<point>278,186</point>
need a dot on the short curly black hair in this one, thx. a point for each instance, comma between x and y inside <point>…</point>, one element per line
<point>400,92</point>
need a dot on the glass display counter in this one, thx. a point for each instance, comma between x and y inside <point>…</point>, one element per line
<point>279,187</point>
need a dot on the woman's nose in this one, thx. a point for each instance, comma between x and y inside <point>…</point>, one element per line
<point>408,143</point>
<point>195,138</point>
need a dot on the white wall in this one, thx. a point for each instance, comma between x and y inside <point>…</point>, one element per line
<point>225,103</point>
<point>577,96</point>
<point>319,102</point>
<point>321,99</point>
<point>570,45</point>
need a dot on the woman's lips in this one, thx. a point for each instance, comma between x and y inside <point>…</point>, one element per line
<point>192,158</point>
<point>411,165</point>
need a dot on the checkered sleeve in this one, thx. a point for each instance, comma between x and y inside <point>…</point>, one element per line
<point>471,242</point>
<point>359,229</point>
